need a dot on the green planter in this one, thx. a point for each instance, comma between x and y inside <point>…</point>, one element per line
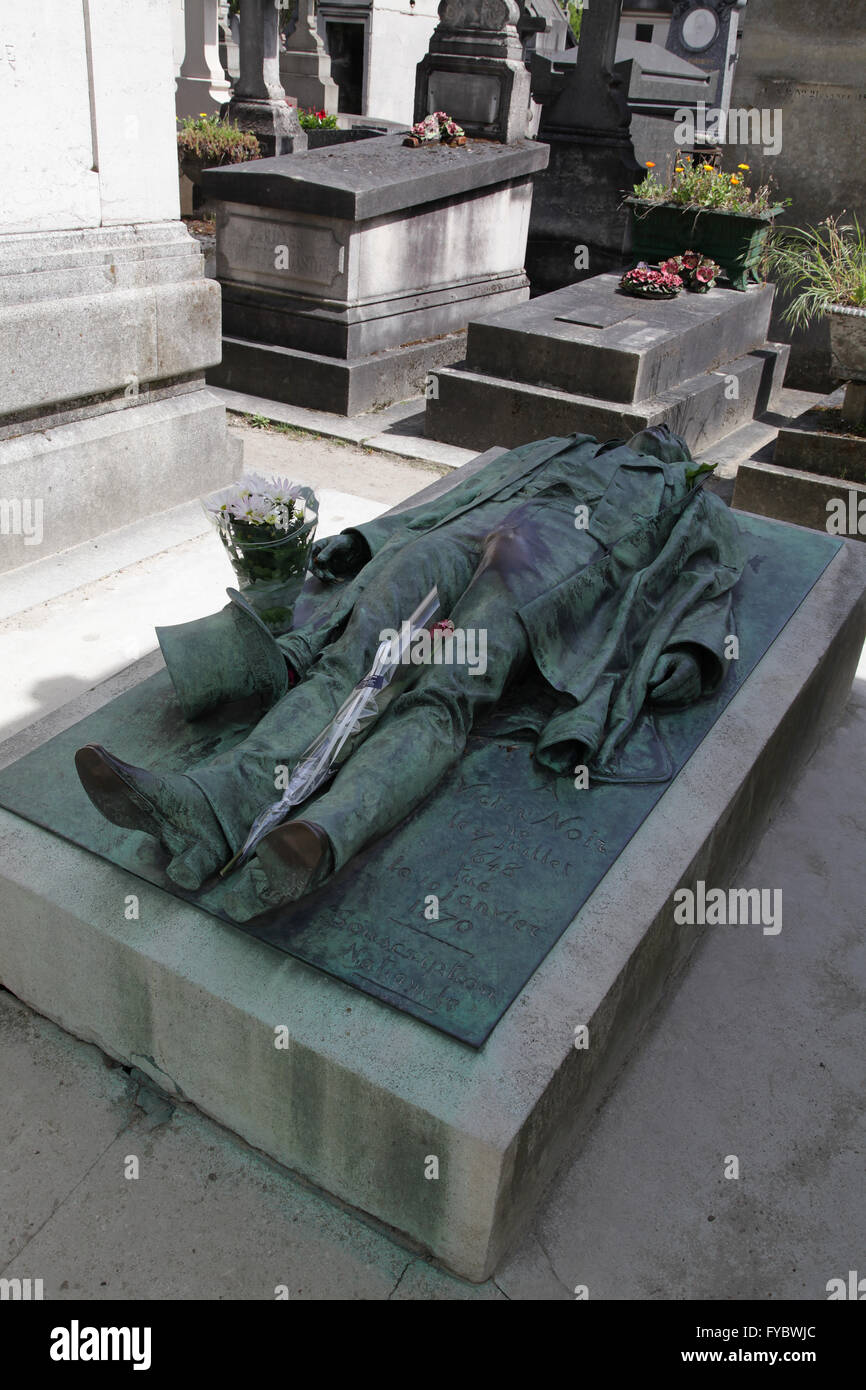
<point>733,239</point>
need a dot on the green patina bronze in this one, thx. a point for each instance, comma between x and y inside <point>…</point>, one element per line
<point>463,795</point>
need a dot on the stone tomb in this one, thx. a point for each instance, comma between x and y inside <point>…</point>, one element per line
<point>348,273</point>
<point>362,1094</point>
<point>589,358</point>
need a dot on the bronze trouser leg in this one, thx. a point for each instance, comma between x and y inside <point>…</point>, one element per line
<point>425,731</point>
<point>241,783</point>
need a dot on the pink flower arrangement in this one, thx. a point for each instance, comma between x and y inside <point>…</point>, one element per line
<point>645,282</point>
<point>698,272</point>
<point>436,128</point>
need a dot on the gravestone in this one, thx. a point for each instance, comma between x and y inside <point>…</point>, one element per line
<point>474,70</point>
<point>348,273</point>
<point>364,1087</point>
<point>705,33</point>
<point>803,66</point>
<point>591,359</point>
<point>660,87</point>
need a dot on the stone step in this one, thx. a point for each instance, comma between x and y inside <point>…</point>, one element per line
<point>339,386</point>
<point>70,484</point>
<point>592,337</point>
<point>479,410</point>
<point>727,454</point>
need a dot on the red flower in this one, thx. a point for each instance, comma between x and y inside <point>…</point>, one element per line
<point>690,259</point>
<point>705,273</point>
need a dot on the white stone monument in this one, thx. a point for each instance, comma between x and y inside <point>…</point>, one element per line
<point>305,67</point>
<point>202,85</point>
<point>106,320</point>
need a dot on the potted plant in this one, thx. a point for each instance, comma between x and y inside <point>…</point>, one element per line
<point>316,120</point>
<point>824,267</point>
<point>205,141</point>
<point>267,527</point>
<point>699,207</point>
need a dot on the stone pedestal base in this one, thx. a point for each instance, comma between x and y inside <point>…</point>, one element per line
<point>104,417</point>
<point>362,1093</point>
<point>307,78</point>
<point>343,386</point>
<point>274,124</point>
<point>104,470</point>
<point>817,476</point>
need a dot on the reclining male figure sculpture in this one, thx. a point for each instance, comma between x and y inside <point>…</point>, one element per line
<point>604,570</point>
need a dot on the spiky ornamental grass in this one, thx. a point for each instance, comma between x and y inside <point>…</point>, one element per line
<point>821,266</point>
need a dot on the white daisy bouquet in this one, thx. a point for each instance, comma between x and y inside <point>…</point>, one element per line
<point>268,526</point>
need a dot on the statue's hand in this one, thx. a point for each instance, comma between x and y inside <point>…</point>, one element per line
<point>675,679</point>
<point>338,557</point>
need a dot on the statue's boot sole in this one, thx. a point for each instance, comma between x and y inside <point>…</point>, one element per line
<point>136,799</point>
<point>296,858</point>
<point>108,783</point>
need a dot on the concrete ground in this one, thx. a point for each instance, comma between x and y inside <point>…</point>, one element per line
<point>757,1057</point>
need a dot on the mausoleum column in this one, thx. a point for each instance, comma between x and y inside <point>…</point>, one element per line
<point>201,85</point>
<point>259,101</point>
<point>305,65</point>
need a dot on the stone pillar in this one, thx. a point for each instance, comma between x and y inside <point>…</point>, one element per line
<point>201,85</point>
<point>305,67</point>
<point>579,227</point>
<point>259,102</point>
<point>474,70</point>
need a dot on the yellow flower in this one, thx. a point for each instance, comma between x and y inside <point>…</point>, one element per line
<point>742,166</point>
<point>679,169</point>
<point>707,166</point>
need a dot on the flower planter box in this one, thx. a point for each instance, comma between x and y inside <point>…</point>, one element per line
<point>732,239</point>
